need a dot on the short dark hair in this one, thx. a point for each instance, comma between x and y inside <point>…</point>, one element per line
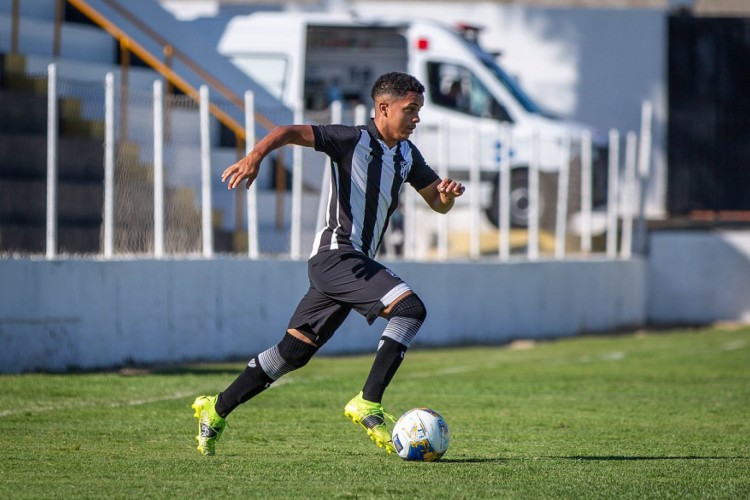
<point>395,84</point>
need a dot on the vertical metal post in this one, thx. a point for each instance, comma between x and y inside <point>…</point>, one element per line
<point>532,249</point>
<point>474,197</point>
<point>410,225</point>
<point>296,225</point>
<point>109,164</point>
<point>644,151</point>
<point>613,188</point>
<point>158,169</point>
<point>52,140</point>
<point>442,167</point>
<point>252,193</point>
<point>629,200</point>
<point>563,182</point>
<point>504,190</point>
<point>337,112</point>
<point>644,168</point>
<point>586,192</point>
<point>207,230</point>
<point>360,114</point>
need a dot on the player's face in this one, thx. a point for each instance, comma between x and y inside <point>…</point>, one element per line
<point>402,116</point>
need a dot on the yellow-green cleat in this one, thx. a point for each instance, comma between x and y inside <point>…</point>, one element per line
<point>210,424</point>
<point>372,417</point>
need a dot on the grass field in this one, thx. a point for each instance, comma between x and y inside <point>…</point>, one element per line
<point>647,415</point>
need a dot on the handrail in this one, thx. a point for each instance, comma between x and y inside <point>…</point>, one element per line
<point>164,70</point>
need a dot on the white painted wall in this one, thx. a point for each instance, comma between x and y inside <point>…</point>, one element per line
<point>57,315</point>
<point>87,314</point>
<point>699,277</point>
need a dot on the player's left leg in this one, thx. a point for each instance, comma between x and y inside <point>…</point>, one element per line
<point>352,278</point>
<point>405,317</point>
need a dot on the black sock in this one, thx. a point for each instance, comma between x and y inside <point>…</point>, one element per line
<point>387,360</point>
<point>248,384</point>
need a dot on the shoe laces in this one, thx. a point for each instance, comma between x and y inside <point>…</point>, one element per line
<point>390,417</point>
<point>379,409</point>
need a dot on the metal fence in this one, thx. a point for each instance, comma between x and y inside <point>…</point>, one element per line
<point>161,194</point>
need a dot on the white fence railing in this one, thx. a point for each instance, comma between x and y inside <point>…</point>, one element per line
<point>465,233</point>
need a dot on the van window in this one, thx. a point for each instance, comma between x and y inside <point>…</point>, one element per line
<point>455,87</point>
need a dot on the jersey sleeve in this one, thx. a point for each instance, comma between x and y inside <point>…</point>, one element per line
<point>421,174</point>
<point>335,140</point>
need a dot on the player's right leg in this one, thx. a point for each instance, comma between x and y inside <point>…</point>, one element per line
<point>371,416</point>
<point>371,289</point>
<point>405,317</point>
<point>210,424</point>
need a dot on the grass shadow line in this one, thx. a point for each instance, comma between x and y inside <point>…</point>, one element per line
<point>626,458</point>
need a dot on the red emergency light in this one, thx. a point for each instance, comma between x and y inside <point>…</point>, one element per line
<point>423,43</point>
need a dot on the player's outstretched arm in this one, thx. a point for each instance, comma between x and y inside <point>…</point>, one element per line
<point>249,166</point>
<point>440,195</point>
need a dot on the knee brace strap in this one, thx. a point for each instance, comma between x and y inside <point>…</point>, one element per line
<point>410,306</point>
<point>288,355</point>
<point>405,320</point>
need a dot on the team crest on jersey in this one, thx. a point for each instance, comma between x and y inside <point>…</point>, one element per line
<point>405,167</point>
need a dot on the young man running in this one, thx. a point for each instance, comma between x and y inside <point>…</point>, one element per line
<point>369,164</point>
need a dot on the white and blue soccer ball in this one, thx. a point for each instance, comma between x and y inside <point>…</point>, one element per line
<point>421,434</point>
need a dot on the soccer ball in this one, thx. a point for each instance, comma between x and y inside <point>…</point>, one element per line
<point>421,434</point>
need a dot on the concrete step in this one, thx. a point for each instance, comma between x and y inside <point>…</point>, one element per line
<point>25,156</point>
<point>23,112</point>
<point>31,238</point>
<point>25,202</point>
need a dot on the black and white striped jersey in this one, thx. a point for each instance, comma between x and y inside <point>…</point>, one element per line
<point>366,178</point>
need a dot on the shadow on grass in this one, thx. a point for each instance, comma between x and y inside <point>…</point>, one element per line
<point>232,368</point>
<point>626,458</point>
<point>592,458</point>
<point>469,460</point>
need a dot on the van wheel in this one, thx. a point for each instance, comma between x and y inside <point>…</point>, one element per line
<point>519,199</point>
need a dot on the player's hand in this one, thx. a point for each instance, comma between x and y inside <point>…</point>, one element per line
<point>448,188</point>
<point>246,168</point>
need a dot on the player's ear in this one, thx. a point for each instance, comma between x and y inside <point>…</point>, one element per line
<point>383,108</point>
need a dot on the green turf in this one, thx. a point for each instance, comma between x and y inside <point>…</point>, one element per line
<point>654,415</point>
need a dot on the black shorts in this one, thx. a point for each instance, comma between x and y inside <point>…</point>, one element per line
<point>342,280</point>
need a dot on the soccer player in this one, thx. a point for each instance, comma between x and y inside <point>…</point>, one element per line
<point>369,165</point>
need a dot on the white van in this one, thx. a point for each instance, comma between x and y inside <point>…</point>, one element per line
<point>309,60</point>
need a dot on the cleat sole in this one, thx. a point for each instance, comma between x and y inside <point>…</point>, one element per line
<point>380,443</point>
<point>206,445</point>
